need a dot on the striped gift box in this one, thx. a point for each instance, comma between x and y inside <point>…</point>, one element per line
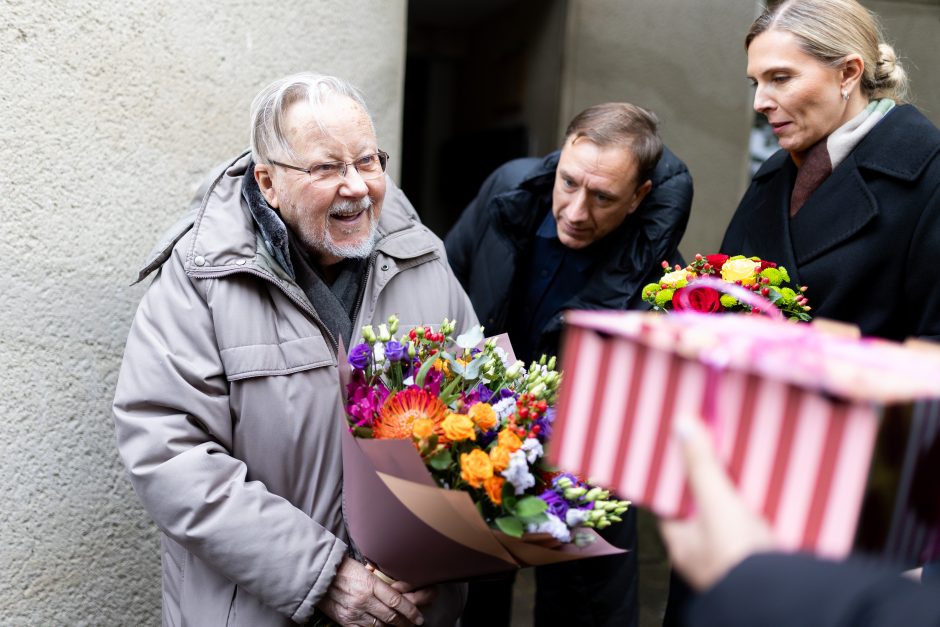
<point>795,413</point>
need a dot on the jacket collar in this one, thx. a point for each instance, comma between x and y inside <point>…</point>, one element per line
<point>895,148</point>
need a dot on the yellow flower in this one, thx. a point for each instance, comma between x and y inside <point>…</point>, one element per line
<point>509,440</point>
<point>458,427</point>
<point>483,415</point>
<point>494,489</point>
<point>743,270</point>
<point>672,279</point>
<point>422,428</point>
<point>475,467</point>
<point>499,455</point>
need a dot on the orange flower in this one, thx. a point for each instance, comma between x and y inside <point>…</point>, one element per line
<point>483,415</point>
<point>494,489</point>
<point>475,467</point>
<point>458,427</point>
<point>422,428</point>
<point>499,455</point>
<point>509,439</point>
<point>400,411</point>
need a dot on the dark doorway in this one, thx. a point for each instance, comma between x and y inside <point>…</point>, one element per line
<point>482,86</point>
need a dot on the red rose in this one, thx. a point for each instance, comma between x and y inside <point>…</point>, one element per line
<point>766,264</point>
<point>716,261</point>
<point>700,299</point>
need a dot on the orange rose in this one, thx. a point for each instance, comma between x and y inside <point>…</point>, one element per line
<point>483,415</point>
<point>499,455</point>
<point>422,428</point>
<point>475,467</point>
<point>509,439</point>
<point>494,489</point>
<point>458,427</point>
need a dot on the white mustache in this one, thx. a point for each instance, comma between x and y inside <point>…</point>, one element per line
<point>344,208</point>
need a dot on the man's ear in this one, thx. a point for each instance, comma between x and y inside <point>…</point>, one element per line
<point>640,194</point>
<point>266,183</point>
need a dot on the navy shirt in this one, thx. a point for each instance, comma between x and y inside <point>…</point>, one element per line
<point>551,274</point>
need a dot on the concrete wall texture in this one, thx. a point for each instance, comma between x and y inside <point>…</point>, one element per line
<point>686,61</point>
<point>110,114</point>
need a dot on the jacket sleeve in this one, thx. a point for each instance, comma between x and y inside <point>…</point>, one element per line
<point>174,434</point>
<point>921,290</point>
<point>778,589</point>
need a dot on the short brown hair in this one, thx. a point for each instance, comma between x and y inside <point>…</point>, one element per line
<point>623,124</point>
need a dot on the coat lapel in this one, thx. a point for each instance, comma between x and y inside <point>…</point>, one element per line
<point>836,211</point>
<point>769,229</point>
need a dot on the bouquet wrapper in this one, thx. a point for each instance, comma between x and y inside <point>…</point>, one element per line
<point>414,531</point>
<point>834,439</point>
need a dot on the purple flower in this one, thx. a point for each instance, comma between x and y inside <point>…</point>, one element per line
<point>545,422</point>
<point>360,355</point>
<point>364,401</point>
<point>394,351</point>
<point>433,380</point>
<point>556,503</point>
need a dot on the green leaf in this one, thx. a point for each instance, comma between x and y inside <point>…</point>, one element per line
<point>423,371</point>
<point>529,506</point>
<point>473,368</point>
<point>509,497</point>
<point>362,432</point>
<point>774,295</point>
<point>510,525</point>
<point>441,461</point>
<point>471,337</point>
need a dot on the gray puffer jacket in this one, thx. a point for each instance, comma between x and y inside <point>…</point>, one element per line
<point>229,412</point>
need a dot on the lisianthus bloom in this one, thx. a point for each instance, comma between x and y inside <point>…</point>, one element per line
<point>557,505</point>
<point>394,351</point>
<point>423,428</point>
<point>475,467</point>
<point>494,489</point>
<point>400,411</point>
<point>458,427</point>
<point>483,416</point>
<point>359,356</point>
<point>743,270</point>
<point>499,455</point>
<point>509,440</point>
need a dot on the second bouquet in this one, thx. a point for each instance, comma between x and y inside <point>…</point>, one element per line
<point>445,477</point>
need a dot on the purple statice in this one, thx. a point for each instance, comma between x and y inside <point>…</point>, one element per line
<point>556,503</point>
<point>545,423</point>
<point>394,351</point>
<point>359,356</point>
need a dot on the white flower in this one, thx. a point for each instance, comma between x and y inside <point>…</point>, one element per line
<point>379,352</point>
<point>517,473</point>
<point>503,357</point>
<point>576,517</point>
<point>553,526</point>
<point>505,408</point>
<point>533,449</point>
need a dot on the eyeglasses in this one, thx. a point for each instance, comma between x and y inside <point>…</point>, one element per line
<point>332,173</point>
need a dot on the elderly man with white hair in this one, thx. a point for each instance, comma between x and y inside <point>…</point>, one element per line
<point>229,407</point>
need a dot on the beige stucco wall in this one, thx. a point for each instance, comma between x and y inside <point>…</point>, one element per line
<point>109,115</point>
<point>685,60</point>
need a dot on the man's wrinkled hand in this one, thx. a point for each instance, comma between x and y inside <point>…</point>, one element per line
<point>358,597</point>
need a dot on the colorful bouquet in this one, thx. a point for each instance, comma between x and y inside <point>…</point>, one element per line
<point>676,290</point>
<point>479,422</point>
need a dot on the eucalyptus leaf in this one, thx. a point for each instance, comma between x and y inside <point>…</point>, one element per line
<point>455,366</point>
<point>471,337</point>
<point>529,506</point>
<point>510,525</point>
<point>473,368</point>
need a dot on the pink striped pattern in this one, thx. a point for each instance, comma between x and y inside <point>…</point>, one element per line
<point>799,457</point>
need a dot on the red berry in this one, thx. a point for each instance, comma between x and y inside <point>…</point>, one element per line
<point>765,292</point>
<point>524,413</point>
<point>537,429</point>
<point>698,257</point>
<point>665,264</point>
<point>543,405</point>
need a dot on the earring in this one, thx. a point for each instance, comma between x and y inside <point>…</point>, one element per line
<point>845,95</point>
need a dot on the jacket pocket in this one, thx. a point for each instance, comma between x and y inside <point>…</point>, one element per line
<point>258,360</point>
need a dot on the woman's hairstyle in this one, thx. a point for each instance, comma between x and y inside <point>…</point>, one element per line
<point>624,124</point>
<point>830,30</point>
<point>270,106</point>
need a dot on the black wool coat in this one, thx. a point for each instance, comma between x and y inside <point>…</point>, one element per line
<point>867,241</point>
<point>496,228</point>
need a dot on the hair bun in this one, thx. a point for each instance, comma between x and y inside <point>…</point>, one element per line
<point>888,69</point>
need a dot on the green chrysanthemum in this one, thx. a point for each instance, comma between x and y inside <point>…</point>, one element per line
<point>728,301</point>
<point>650,290</point>
<point>783,274</point>
<point>775,276</point>
<point>664,297</point>
<point>787,295</point>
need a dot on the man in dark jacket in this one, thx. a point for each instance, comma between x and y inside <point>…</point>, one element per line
<point>583,228</point>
